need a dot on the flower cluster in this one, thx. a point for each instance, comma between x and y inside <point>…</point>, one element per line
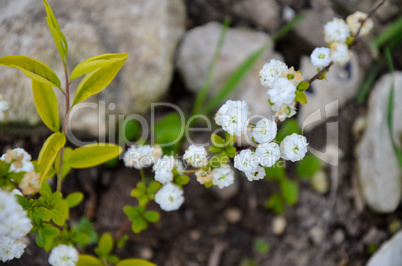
<point>63,255</point>
<point>233,116</point>
<point>14,225</point>
<point>282,83</point>
<point>20,161</point>
<point>142,156</point>
<point>339,34</point>
<point>268,152</point>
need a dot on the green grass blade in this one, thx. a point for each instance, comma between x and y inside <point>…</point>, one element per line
<point>202,95</point>
<point>390,114</point>
<point>368,84</point>
<point>288,27</point>
<point>235,78</point>
<point>391,32</point>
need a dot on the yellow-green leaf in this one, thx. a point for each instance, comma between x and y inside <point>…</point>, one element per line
<point>301,97</point>
<point>46,104</point>
<point>96,81</point>
<point>106,244</point>
<point>74,199</point>
<point>32,68</point>
<point>96,62</point>
<point>88,260</point>
<point>49,152</point>
<point>66,166</point>
<point>93,154</point>
<point>136,262</point>
<point>58,36</point>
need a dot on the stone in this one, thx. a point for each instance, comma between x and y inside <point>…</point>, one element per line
<point>265,14</point>
<point>320,182</point>
<point>196,52</point>
<point>232,215</point>
<point>316,234</point>
<point>278,225</point>
<point>379,173</point>
<point>342,85</point>
<point>390,253</point>
<point>149,30</point>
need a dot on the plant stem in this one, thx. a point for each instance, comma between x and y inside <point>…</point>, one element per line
<point>142,175</point>
<point>59,175</point>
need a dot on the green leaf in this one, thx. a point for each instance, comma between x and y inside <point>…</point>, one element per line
<point>43,213</point>
<point>96,62</point>
<point>139,224</point>
<point>202,95</point>
<point>152,216</point>
<point>231,152</point>
<point>93,154</point>
<point>289,127</point>
<point>49,151</point>
<point>300,97</point>
<point>57,35</point>
<point>181,180</point>
<point>50,231</point>
<point>32,68</point>
<point>215,149</point>
<point>153,187</point>
<point>275,203</point>
<point>122,241</point>
<point>105,244</point>
<point>60,212</point>
<point>22,201</point>
<point>74,199</point>
<point>96,81</point>
<point>4,167</point>
<point>290,191</point>
<point>303,85</point>
<point>230,139</point>
<point>388,34</point>
<point>217,141</point>
<point>234,80</point>
<point>168,131</point>
<point>88,260</point>
<point>136,262</point>
<point>112,259</point>
<point>261,246</point>
<point>81,239</point>
<point>40,239</point>
<point>308,166</point>
<point>46,104</point>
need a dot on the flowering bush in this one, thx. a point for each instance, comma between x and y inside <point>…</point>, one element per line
<point>29,205</point>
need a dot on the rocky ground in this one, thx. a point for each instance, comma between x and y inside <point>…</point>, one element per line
<point>211,228</point>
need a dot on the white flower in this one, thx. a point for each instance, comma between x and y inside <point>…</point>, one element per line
<point>19,159</point>
<point>293,76</point>
<point>283,92</point>
<point>264,131</point>
<point>340,53</point>
<point>223,176</point>
<point>196,156</point>
<point>142,156</point>
<point>169,197</point>
<point>336,31</point>
<point>269,153</point>
<point>30,183</point>
<point>163,169</point>
<point>354,21</point>
<point>246,161</point>
<point>10,248</point>
<point>284,111</point>
<point>320,57</point>
<point>14,222</point>
<point>257,175</point>
<point>203,176</point>
<point>294,147</point>
<point>271,71</point>
<point>233,117</point>
<point>63,255</point>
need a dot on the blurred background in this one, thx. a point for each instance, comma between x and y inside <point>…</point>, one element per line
<point>337,207</point>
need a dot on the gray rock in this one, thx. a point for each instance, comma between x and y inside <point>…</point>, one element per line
<point>378,169</point>
<point>390,253</point>
<point>148,30</point>
<point>342,85</point>
<point>196,52</point>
